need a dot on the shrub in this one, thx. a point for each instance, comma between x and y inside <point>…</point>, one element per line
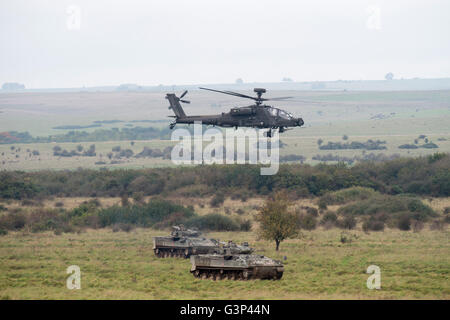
<point>312,211</point>
<point>329,218</point>
<point>347,195</point>
<point>144,215</point>
<point>217,200</point>
<point>124,201</point>
<point>417,226</point>
<point>138,197</point>
<point>391,206</point>
<point>46,219</point>
<point>307,221</point>
<point>126,227</point>
<point>346,237</point>
<point>404,222</point>
<point>437,225</point>
<point>13,220</point>
<point>245,225</point>
<point>29,203</point>
<point>447,219</point>
<point>348,222</point>
<point>213,222</point>
<point>322,204</point>
<point>373,225</point>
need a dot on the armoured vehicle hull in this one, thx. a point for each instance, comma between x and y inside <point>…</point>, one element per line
<point>184,242</point>
<point>165,247</point>
<point>235,267</point>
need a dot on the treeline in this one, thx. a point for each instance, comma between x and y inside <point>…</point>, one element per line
<point>368,145</point>
<point>350,160</point>
<point>157,213</point>
<point>428,175</point>
<point>114,134</point>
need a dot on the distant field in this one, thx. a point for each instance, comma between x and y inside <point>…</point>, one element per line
<point>397,117</point>
<point>318,266</point>
<point>306,146</point>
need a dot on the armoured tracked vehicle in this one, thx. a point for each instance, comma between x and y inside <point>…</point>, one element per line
<point>182,243</point>
<point>235,267</point>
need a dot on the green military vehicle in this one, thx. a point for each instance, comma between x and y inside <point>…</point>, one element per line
<point>235,267</point>
<point>183,243</point>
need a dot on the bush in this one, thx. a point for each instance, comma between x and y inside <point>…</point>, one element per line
<point>392,207</point>
<point>307,221</point>
<point>217,200</point>
<point>347,195</point>
<point>144,215</point>
<point>246,225</point>
<point>312,211</point>
<point>447,219</point>
<point>322,204</point>
<point>329,218</point>
<point>213,222</point>
<point>373,225</point>
<point>404,222</point>
<point>126,227</point>
<point>13,220</point>
<point>45,219</point>
<point>437,225</point>
<point>138,197</point>
<point>348,222</point>
<point>417,226</point>
<point>124,201</point>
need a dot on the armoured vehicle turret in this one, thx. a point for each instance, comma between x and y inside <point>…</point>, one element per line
<point>184,242</point>
<point>235,267</point>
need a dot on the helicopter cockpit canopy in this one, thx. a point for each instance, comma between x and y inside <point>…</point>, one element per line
<point>280,113</point>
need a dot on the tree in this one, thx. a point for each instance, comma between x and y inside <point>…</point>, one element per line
<point>389,76</point>
<point>276,221</point>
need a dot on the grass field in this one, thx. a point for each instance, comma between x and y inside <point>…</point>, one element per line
<point>318,266</point>
<point>396,117</point>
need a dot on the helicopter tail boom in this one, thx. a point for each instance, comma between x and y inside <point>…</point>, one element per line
<point>175,105</point>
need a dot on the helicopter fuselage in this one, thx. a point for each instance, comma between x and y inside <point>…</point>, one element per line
<point>252,116</point>
<point>257,115</point>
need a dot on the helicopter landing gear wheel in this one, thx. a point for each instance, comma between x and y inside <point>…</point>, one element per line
<point>268,134</point>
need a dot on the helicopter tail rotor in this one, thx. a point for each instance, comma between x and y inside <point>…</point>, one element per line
<point>175,104</point>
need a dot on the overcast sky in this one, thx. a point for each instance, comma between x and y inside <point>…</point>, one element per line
<point>56,43</point>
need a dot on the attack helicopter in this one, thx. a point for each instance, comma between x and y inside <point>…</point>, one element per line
<point>257,115</point>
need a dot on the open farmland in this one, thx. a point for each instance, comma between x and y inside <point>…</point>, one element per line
<point>397,118</point>
<point>120,265</point>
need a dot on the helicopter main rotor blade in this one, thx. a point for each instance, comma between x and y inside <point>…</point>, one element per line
<point>231,93</point>
<point>184,93</point>
<point>306,101</point>
<point>276,99</point>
